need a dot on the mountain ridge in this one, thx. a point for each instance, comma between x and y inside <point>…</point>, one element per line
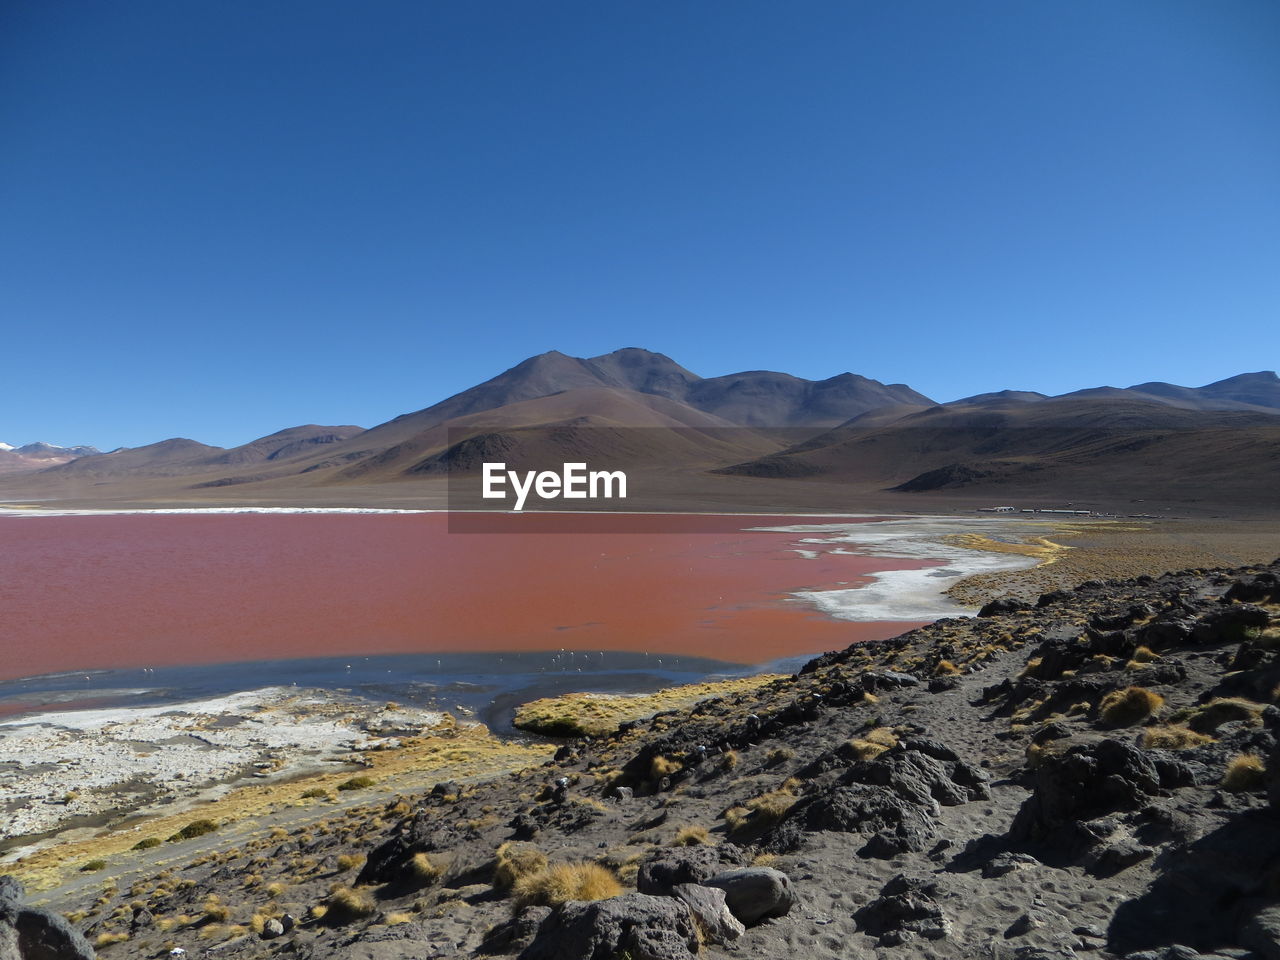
<point>849,431</point>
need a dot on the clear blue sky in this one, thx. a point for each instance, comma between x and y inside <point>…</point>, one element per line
<point>222,218</point>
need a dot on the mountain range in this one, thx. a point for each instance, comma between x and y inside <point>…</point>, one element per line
<point>757,436</point>
<point>37,456</point>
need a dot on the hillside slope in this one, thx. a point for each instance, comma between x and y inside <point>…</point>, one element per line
<point>1072,448</point>
<point>1092,774</point>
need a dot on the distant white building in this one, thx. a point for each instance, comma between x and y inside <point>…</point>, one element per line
<point>998,509</point>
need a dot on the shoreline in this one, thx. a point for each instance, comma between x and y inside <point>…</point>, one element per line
<point>1026,560</point>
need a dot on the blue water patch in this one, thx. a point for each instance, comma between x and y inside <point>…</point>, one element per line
<point>485,686</point>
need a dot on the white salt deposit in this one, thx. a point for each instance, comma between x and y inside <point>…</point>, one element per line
<point>907,595</point>
<point>54,766</point>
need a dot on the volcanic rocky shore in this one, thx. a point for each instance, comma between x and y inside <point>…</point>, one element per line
<point>1096,773</point>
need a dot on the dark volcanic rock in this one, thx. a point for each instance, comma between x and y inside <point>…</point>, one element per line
<point>905,908</point>
<point>1261,932</point>
<point>1003,605</point>
<point>893,825</point>
<point>667,868</point>
<point>1207,892</point>
<point>924,773</point>
<point>1135,848</point>
<point>390,862</point>
<point>517,932</point>
<point>28,933</point>
<point>1228,624</point>
<point>893,799</point>
<point>636,924</point>
<point>1260,588</point>
<point>1088,781</point>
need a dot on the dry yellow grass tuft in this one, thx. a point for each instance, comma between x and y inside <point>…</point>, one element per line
<point>599,714</point>
<point>946,668</point>
<point>215,911</point>
<point>663,767</point>
<point>1245,772</point>
<point>1033,665</point>
<point>422,869</point>
<point>564,882</point>
<point>345,904</point>
<point>764,810</point>
<point>1124,708</point>
<point>778,755</point>
<point>873,743</point>
<point>349,861</point>
<point>1208,717</point>
<point>691,836</point>
<point>1172,737</point>
<point>515,861</point>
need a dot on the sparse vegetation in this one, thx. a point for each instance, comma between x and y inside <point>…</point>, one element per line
<point>196,828</point>
<point>691,836</point>
<point>1208,717</point>
<point>356,783</point>
<point>515,861</point>
<point>345,904</point>
<point>563,882</point>
<point>1172,737</point>
<point>778,755</point>
<point>423,869</point>
<point>599,714</point>
<point>1245,772</point>
<point>1124,708</point>
<point>147,843</point>
<point>764,810</point>
<point>93,865</point>
<point>215,911</point>
<point>663,767</point>
<point>873,743</point>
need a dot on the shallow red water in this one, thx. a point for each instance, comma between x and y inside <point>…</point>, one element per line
<point>152,590</point>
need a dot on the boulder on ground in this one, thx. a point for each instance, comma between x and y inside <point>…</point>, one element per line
<point>1228,624</point>
<point>1261,588</point>
<point>1087,782</point>
<point>709,906</point>
<point>1003,605</point>
<point>894,825</point>
<point>1261,933</point>
<point>27,933</point>
<point>754,894</point>
<point>666,868</point>
<point>906,908</point>
<point>392,861</point>
<point>635,924</point>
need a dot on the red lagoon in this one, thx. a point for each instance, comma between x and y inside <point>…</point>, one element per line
<point>114,591</point>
